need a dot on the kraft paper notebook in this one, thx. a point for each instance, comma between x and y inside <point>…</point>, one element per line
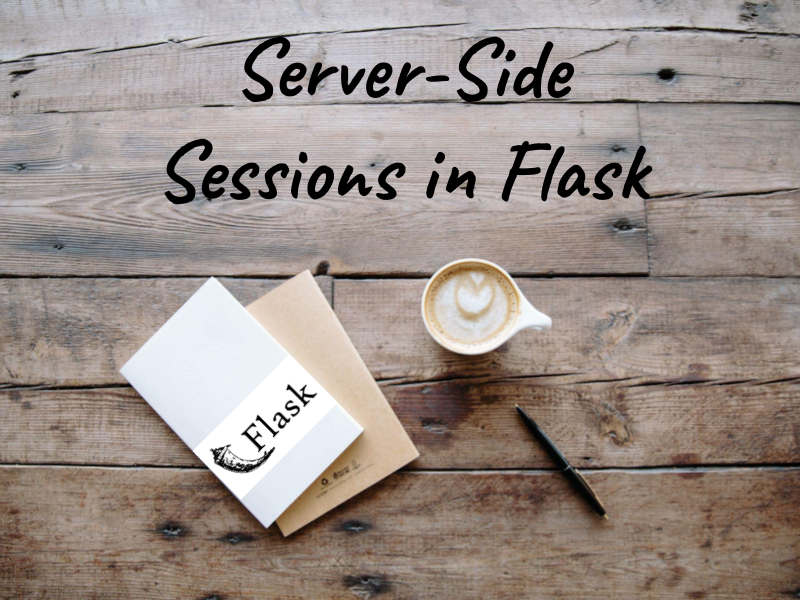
<point>300,318</point>
<point>247,408</point>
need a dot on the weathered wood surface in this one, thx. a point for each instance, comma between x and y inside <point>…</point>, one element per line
<point>645,329</point>
<point>455,425</point>
<point>84,193</point>
<point>749,235</point>
<point>122,533</point>
<point>466,425</point>
<point>49,324</point>
<point>724,148</point>
<point>78,332</point>
<point>65,26</point>
<point>638,372</point>
<point>80,192</point>
<point>609,65</point>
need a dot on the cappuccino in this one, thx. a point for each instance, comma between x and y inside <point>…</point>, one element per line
<point>471,305</point>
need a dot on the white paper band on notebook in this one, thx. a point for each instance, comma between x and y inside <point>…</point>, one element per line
<point>267,424</point>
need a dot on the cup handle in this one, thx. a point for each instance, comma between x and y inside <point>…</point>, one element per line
<point>530,318</point>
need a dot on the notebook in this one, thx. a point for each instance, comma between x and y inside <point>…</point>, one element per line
<point>297,314</point>
<point>255,417</point>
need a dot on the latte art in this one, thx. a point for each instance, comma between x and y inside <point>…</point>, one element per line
<point>471,305</point>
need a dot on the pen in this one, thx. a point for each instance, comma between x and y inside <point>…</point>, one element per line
<point>577,480</point>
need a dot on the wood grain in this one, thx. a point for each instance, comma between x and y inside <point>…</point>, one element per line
<point>676,330</point>
<point>455,425</point>
<point>748,235</point>
<point>723,148</point>
<point>124,533</point>
<point>84,193</point>
<point>468,425</point>
<point>609,66</point>
<point>53,26</point>
<point>639,373</point>
<point>78,332</point>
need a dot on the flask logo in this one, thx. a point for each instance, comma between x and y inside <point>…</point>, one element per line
<point>229,461</point>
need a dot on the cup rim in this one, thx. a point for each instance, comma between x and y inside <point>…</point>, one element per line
<point>481,349</point>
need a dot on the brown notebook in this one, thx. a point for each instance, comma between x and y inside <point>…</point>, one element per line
<point>299,317</point>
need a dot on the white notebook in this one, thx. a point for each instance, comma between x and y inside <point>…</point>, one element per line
<point>251,412</point>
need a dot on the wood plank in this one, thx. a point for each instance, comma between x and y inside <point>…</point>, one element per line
<point>84,193</point>
<point>97,426</point>
<point>749,235</point>
<point>51,26</point>
<point>609,65</point>
<point>78,332</point>
<point>125,533</point>
<point>466,425</point>
<point>675,330</point>
<point>721,148</point>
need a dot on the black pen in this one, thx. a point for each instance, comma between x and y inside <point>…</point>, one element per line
<point>577,480</point>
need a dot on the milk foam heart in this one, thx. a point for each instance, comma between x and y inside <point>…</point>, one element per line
<point>471,305</point>
<point>474,294</point>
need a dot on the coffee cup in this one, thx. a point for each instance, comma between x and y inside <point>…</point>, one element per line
<point>473,306</point>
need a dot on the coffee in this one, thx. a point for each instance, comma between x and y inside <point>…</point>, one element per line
<point>471,305</point>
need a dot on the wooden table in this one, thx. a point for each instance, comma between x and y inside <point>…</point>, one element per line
<point>670,377</point>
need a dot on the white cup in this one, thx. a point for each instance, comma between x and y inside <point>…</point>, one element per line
<point>525,315</point>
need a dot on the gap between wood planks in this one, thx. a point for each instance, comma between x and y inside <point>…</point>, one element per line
<point>554,379</point>
<point>657,469</point>
<point>428,102</point>
<point>560,379</point>
<point>490,30</point>
<point>399,275</point>
<point>487,31</point>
